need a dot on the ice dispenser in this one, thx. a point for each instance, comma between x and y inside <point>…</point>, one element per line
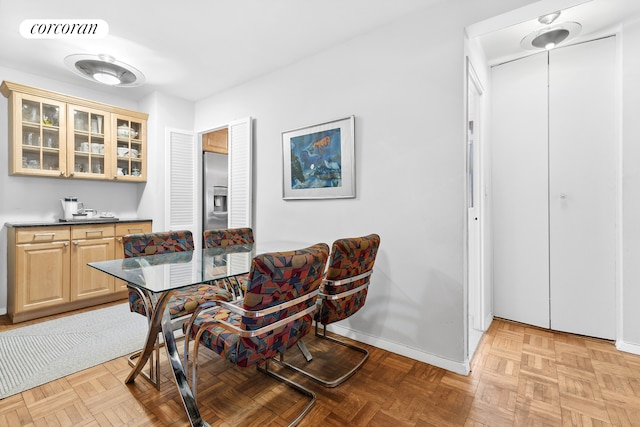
<point>216,208</point>
<point>219,199</point>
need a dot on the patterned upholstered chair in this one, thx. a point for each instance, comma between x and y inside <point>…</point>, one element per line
<point>183,301</point>
<point>343,293</point>
<point>229,237</point>
<point>277,310</point>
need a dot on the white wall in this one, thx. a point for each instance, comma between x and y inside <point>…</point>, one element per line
<point>405,85</point>
<point>27,199</point>
<point>630,321</point>
<point>165,111</point>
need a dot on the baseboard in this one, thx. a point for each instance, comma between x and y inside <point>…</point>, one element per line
<point>461,368</point>
<point>628,348</point>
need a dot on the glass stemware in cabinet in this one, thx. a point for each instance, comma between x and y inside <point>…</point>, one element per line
<point>40,131</point>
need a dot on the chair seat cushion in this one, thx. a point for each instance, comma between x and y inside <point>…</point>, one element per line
<point>246,351</point>
<point>184,301</point>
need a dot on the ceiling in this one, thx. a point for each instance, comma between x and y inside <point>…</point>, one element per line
<point>194,48</point>
<point>197,48</point>
<point>500,36</point>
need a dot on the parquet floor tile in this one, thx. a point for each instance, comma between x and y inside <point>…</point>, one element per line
<point>520,376</point>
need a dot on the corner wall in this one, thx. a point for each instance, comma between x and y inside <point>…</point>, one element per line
<point>405,85</point>
<point>630,337</point>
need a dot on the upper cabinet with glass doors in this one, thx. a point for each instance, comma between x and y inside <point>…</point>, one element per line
<point>131,134</point>
<point>56,135</point>
<point>39,136</point>
<point>89,137</point>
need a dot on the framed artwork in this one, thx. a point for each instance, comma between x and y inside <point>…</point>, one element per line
<point>319,161</point>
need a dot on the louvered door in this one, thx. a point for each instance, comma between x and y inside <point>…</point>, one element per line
<point>240,173</point>
<point>181,183</point>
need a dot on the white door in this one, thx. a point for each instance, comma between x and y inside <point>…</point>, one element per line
<point>240,173</point>
<point>554,189</point>
<point>180,181</point>
<point>520,194</point>
<point>582,153</point>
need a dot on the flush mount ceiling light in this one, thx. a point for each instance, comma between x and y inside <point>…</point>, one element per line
<point>104,69</point>
<point>550,36</point>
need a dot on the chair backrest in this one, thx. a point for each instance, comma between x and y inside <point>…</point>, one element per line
<point>276,278</point>
<point>227,237</point>
<point>143,244</point>
<point>350,257</point>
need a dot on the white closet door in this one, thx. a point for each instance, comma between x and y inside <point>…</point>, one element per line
<point>180,181</point>
<point>583,141</point>
<point>519,146</point>
<point>240,173</point>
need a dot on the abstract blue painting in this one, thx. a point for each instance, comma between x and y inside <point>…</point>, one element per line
<point>316,160</point>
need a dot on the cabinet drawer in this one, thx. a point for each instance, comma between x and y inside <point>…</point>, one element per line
<point>132,228</point>
<point>92,231</point>
<point>42,234</point>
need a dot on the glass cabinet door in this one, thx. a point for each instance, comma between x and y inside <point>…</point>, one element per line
<point>130,149</point>
<point>88,143</point>
<point>39,137</point>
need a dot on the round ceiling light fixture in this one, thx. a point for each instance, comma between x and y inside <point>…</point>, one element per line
<point>551,36</point>
<point>104,69</point>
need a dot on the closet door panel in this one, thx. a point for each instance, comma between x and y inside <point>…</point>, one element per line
<point>519,147</point>
<point>582,159</point>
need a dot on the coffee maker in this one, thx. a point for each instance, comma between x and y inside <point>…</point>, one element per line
<point>69,206</point>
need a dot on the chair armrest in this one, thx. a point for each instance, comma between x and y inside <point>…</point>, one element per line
<point>341,282</point>
<point>253,333</point>
<point>261,313</point>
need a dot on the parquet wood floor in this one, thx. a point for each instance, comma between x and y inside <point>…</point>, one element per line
<point>521,376</point>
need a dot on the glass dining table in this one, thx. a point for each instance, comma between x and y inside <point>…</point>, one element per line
<point>158,276</point>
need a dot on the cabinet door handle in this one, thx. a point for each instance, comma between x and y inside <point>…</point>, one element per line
<point>65,244</point>
<point>49,235</point>
<point>131,230</point>
<point>75,243</point>
<point>94,231</point>
<point>72,174</point>
<point>61,173</point>
<point>119,239</point>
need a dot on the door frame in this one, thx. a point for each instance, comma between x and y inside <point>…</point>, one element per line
<point>476,295</point>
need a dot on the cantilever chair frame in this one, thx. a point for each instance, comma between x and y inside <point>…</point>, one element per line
<point>322,296</point>
<point>154,360</point>
<point>232,284</point>
<point>243,333</point>
<point>153,376</point>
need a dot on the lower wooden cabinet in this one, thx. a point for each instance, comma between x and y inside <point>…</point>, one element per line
<point>44,267</point>
<point>122,229</point>
<point>91,243</point>
<point>48,271</point>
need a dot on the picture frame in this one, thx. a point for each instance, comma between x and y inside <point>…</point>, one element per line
<point>319,161</point>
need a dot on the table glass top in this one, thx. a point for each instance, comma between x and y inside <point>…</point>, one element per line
<point>159,273</point>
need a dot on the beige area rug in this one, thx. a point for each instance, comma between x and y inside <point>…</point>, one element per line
<point>37,354</point>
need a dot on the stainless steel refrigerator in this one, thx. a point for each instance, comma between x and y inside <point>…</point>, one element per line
<point>215,176</point>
